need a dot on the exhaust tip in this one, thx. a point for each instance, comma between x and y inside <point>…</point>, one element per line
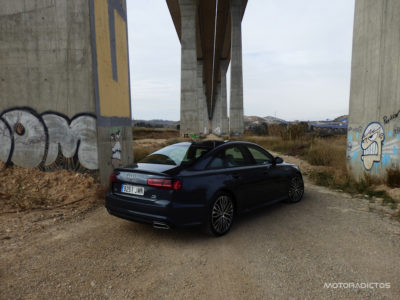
<point>160,225</point>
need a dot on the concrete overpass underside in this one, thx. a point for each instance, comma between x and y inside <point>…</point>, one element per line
<point>210,36</point>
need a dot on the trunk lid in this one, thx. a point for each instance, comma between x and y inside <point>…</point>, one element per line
<point>136,177</point>
<point>139,173</point>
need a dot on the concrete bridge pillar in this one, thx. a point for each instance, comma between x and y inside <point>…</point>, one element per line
<point>201,100</point>
<point>373,136</point>
<point>189,105</point>
<point>236,101</point>
<point>220,121</point>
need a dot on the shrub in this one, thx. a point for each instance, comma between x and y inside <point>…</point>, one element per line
<point>393,177</point>
<point>297,131</point>
<point>327,152</point>
<point>275,129</point>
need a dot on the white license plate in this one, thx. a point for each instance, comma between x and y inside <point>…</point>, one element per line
<point>132,189</point>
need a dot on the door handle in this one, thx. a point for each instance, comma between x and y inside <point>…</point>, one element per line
<point>236,175</point>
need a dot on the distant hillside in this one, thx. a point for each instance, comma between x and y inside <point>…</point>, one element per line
<point>251,121</point>
<point>342,118</point>
<point>274,120</point>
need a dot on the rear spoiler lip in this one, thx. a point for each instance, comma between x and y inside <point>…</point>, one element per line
<point>170,172</point>
<point>140,171</point>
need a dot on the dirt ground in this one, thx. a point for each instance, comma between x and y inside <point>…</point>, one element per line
<point>281,252</point>
<point>31,199</point>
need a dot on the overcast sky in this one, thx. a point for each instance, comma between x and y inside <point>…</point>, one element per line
<point>296,59</point>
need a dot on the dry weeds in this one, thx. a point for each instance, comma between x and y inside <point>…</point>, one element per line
<point>154,133</point>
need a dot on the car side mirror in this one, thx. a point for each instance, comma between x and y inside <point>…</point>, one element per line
<point>278,160</point>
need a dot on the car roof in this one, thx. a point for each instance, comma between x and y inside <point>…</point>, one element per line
<point>216,143</point>
<point>208,143</point>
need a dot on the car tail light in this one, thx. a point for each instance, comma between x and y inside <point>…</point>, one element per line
<point>113,177</point>
<point>168,184</point>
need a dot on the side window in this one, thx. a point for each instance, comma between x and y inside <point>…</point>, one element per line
<point>234,157</point>
<point>194,153</point>
<point>228,158</point>
<point>260,156</point>
<point>218,161</point>
<point>200,152</point>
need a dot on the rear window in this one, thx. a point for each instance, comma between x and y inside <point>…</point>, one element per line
<point>177,154</point>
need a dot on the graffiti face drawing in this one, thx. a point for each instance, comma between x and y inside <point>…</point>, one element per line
<point>371,144</point>
<point>116,149</point>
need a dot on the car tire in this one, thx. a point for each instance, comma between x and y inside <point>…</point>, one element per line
<point>296,189</point>
<point>220,215</point>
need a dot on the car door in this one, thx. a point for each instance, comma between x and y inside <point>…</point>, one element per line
<point>266,175</point>
<point>231,164</point>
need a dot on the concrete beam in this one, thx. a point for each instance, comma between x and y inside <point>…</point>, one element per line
<point>206,32</point>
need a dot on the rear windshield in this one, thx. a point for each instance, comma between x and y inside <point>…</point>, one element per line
<point>177,154</point>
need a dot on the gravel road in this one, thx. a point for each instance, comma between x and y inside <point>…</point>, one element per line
<point>281,252</point>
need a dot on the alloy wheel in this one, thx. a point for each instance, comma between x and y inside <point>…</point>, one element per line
<point>222,214</point>
<point>296,189</point>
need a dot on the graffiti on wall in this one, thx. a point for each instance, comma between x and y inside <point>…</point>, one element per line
<point>352,144</point>
<point>374,147</point>
<point>48,140</point>
<point>115,136</point>
<point>371,144</point>
<point>387,119</point>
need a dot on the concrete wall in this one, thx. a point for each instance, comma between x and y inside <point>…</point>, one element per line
<point>374,122</point>
<point>45,56</point>
<point>63,84</point>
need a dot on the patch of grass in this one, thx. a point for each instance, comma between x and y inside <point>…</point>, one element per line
<point>322,178</point>
<point>390,202</point>
<point>340,180</point>
<point>330,151</point>
<point>154,133</point>
<point>296,147</point>
<point>327,152</point>
<point>141,152</point>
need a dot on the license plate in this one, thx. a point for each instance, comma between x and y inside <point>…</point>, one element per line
<point>132,189</point>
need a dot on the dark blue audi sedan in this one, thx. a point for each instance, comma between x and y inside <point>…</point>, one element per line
<point>204,183</point>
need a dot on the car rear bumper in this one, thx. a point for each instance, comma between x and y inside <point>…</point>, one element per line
<point>151,212</point>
